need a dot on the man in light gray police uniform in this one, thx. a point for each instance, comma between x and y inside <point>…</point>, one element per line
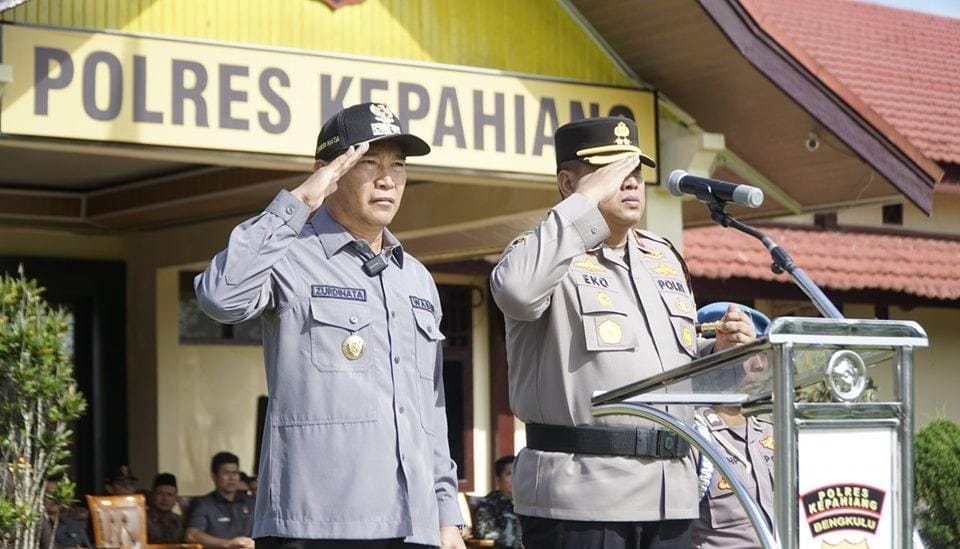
<point>592,303</point>
<point>745,442</point>
<point>355,442</point>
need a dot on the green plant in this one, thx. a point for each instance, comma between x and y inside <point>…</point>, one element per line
<point>38,402</point>
<point>937,481</point>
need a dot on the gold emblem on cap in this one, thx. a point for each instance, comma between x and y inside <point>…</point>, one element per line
<point>664,269</point>
<point>622,132</point>
<point>687,336</point>
<point>610,332</point>
<point>590,265</point>
<point>353,347</point>
<point>604,299</point>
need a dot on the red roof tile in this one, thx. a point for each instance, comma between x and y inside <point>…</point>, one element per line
<point>839,260</point>
<point>903,64</point>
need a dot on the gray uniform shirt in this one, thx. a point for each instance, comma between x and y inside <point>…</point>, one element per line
<point>355,441</point>
<point>220,517</point>
<point>581,318</point>
<point>723,524</point>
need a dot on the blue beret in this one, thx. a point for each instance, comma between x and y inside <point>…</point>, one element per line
<point>715,311</point>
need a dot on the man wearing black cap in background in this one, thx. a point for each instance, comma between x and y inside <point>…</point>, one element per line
<point>163,525</point>
<point>356,440</point>
<point>593,303</point>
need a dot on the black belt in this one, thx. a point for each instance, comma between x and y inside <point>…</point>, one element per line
<point>610,441</point>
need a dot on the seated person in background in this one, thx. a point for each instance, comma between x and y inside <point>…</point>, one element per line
<point>746,443</point>
<point>71,530</point>
<point>495,518</point>
<point>163,525</point>
<point>224,517</point>
<point>120,481</point>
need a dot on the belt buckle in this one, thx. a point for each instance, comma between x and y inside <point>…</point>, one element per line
<point>666,444</point>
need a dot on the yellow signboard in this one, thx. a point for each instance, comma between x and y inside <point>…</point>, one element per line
<point>155,91</point>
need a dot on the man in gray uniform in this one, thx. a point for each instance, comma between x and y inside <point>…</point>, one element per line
<point>592,303</point>
<point>745,442</point>
<point>355,449</point>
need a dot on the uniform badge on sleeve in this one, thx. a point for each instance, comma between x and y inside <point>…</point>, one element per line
<point>353,347</point>
<point>610,332</point>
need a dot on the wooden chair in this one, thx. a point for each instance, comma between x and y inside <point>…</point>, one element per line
<point>121,522</point>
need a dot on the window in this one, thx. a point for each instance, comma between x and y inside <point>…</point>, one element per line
<point>198,328</point>
<point>457,327</point>
<point>893,214</point>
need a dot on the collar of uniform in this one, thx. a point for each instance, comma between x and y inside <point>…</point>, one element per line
<point>392,244</point>
<point>333,237</point>
<point>612,256</point>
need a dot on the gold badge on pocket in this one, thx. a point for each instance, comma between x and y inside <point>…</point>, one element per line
<point>687,337</point>
<point>353,347</point>
<point>609,332</point>
<point>604,299</point>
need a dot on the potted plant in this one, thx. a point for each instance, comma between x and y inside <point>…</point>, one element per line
<point>39,401</point>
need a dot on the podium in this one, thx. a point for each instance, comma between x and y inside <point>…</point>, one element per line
<point>843,462</point>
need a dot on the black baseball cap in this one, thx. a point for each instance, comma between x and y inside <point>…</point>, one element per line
<point>599,141</point>
<point>365,122</point>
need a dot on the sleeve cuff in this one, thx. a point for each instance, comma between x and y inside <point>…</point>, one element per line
<point>585,218</point>
<point>450,513</point>
<point>290,209</point>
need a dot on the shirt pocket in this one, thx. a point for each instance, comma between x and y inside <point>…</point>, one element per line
<point>427,341</point>
<point>725,508</point>
<point>606,324</point>
<point>341,338</point>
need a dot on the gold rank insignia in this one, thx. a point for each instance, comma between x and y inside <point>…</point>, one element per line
<point>653,254</point>
<point>590,265</point>
<point>664,269</point>
<point>353,347</point>
<point>723,484</point>
<point>682,306</point>
<point>610,332</point>
<point>767,443</point>
<point>604,299</point>
<point>687,336</point>
<point>622,133</point>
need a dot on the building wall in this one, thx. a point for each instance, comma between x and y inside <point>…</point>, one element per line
<point>533,36</point>
<point>179,414</point>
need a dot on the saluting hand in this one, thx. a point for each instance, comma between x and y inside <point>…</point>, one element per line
<point>604,183</point>
<point>323,182</point>
<point>735,328</point>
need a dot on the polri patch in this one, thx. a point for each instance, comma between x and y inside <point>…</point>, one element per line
<point>420,303</point>
<point>337,292</point>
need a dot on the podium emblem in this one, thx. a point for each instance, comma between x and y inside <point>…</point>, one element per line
<point>846,375</point>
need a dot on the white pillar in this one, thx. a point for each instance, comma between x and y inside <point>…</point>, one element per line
<point>694,151</point>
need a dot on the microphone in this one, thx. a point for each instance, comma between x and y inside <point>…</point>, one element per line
<point>713,190</point>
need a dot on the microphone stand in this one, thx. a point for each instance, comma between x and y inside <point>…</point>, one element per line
<point>782,262</point>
